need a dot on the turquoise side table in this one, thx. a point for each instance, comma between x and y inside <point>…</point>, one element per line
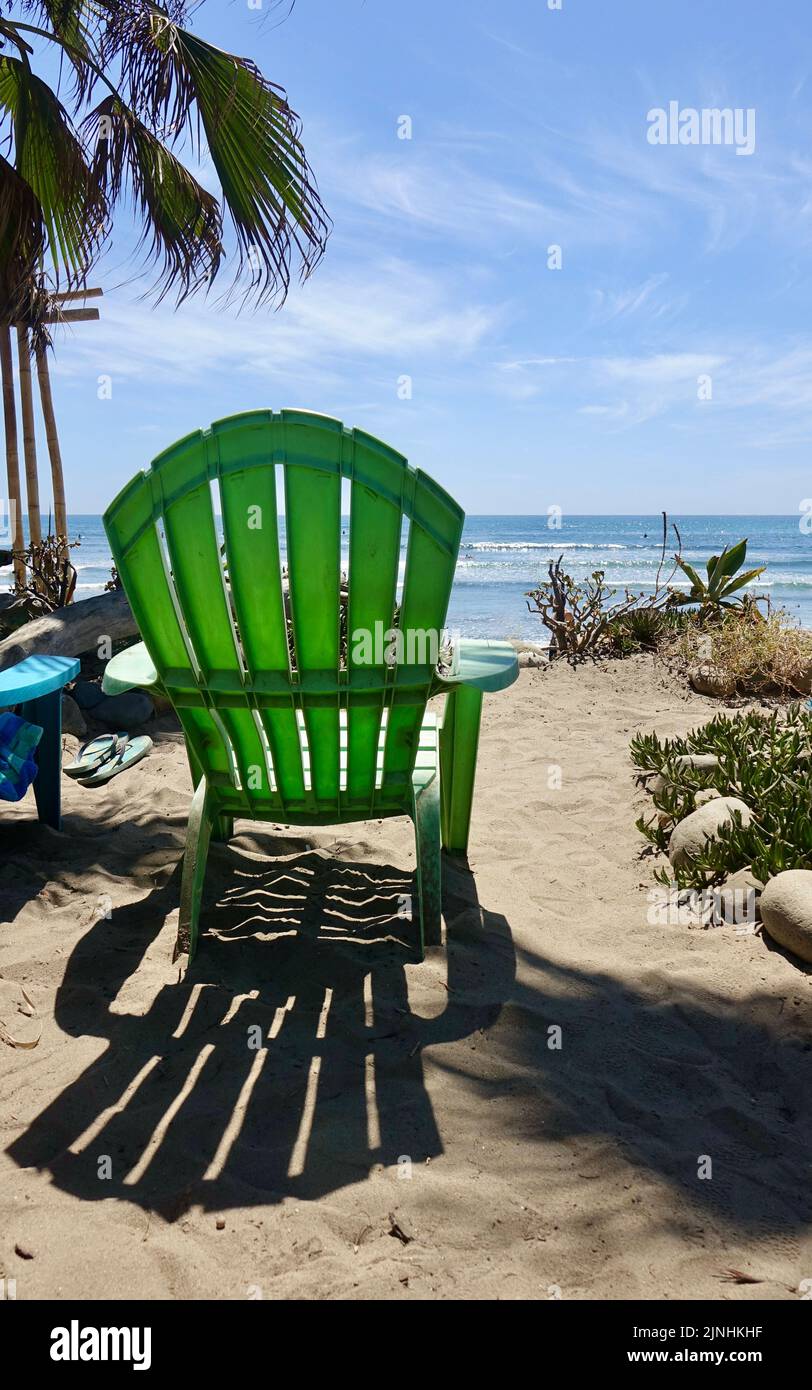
<point>36,684</point>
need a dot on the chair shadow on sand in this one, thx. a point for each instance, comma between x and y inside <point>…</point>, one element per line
<point>288,1062</point>
<point>306,955</point>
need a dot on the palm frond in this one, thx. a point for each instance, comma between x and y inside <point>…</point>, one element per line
<point>254,142</point>
<point>165,89</point>
<point>71,22</point>
<point>50,159</point>
<point>178,83</point>
<point>182,223</point>
<point>23,239</point>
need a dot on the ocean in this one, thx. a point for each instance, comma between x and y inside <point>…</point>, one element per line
<point>503,556</point>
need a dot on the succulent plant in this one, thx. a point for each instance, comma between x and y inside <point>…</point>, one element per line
<point>766,761</point>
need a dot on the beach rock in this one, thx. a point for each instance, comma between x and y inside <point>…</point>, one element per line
<point>124,711</point>
<point>709,680</point>
<point>87,694</point>
<point>707,794</point>
<point>700,760</point>
<point>739,898</point>
<point>530,653</point>
<point>72,718</point>
<point>786,910</point>
<point>163,705</point>
<point>692,833</point>
<point>703,761</point>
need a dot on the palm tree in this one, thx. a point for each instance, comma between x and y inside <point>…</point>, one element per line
<point>139,90</point>
<point>136,90</point>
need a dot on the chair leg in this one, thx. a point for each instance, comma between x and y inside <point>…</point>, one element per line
<point>426,817</point>
<point>223,829</point>
<point>459,740</point>
<point>194,765</point>
<point>46,711</point>
<point>198,835</point>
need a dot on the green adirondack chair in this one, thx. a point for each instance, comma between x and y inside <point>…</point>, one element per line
<point>285,719</point>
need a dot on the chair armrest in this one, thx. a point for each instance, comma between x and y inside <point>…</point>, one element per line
<point>486,665</point>
<point>130,668</point>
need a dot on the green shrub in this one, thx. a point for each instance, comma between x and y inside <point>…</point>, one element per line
<point>723,579</point>
<point>759,655</point>
<point>645,629</point>
<point>766,761</point>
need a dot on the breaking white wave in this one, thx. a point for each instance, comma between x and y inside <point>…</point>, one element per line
<point>538,545</point>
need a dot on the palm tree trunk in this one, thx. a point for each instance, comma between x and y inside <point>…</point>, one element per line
<point>12,453</point>
<point>29,436</point>
<point>54,452</point>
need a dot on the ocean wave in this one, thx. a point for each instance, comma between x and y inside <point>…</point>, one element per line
<point>539,545</point>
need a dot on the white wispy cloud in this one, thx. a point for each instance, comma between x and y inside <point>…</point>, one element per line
<point>596,187</point>
<point>621,303</point>
<point>734,198</point>
<point>765,395</point>
<point>663,369</point>
<point>440,194</point>
<point>390,312</point>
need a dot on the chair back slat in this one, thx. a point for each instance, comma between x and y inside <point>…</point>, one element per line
<point>246,473</point>
<point>136,548</point>
<point>182,475</point>
<point>376,515</point>
<point>434,539</point>
<point>312,459</point>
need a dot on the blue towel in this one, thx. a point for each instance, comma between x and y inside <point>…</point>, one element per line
<point>18,766</point>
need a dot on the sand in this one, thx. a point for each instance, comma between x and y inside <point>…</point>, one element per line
<point>403,1131</point>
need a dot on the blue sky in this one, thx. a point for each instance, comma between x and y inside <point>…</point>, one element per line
<point>531,387</point>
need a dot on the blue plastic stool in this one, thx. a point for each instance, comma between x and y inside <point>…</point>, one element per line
<point>35,684</point>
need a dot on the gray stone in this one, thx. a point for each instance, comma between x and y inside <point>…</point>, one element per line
<point>709,680</point>
<point>700,760</point>
<point>707,794</point>
<point>786,910</point>
<point>87,694</point>
<point>72,717</point>
<point>693,833</point>
<point>739,898</point>
<point>125,711</point>
<point>703,761</point>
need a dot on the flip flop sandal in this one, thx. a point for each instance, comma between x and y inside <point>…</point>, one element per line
<point>133,751</point>
<point>92,754</point>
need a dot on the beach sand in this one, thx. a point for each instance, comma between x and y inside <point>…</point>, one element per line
<point>404,1131</point>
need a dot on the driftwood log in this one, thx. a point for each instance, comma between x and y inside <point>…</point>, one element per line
<point>71,631</point>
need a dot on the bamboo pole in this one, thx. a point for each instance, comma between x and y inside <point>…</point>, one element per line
<point>72,316</point>
<point>54,452</point>
<point>12,453</point>
<point>63,296</point>
<point>29,436</point>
